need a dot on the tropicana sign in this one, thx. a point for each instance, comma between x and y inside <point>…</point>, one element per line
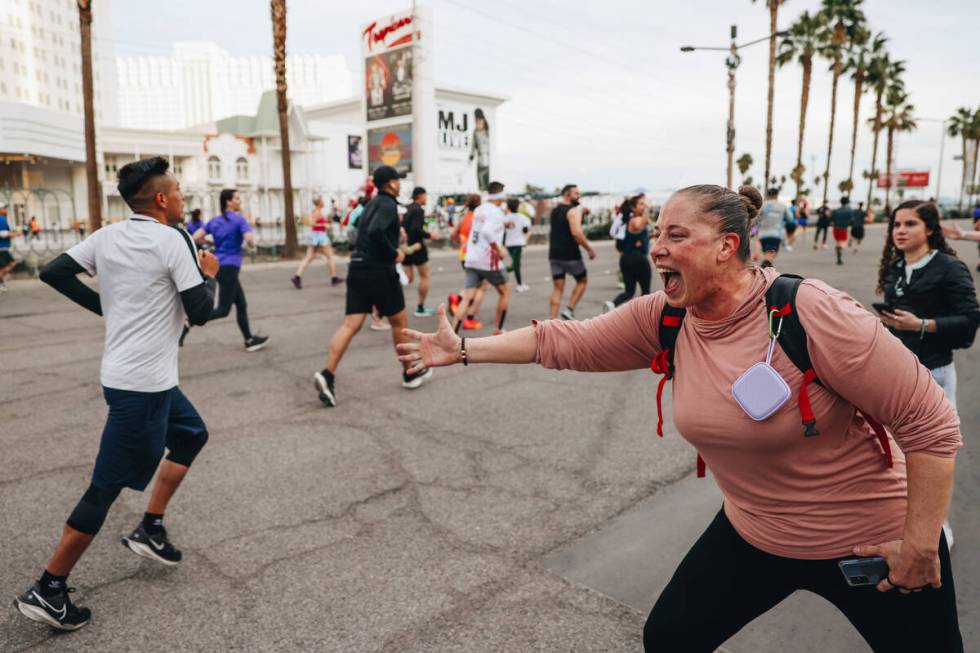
<point>390,35</point>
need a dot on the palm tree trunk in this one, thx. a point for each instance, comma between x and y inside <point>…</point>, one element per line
<point>963,176</point>
<point>888,170</point>
<point>804,99</point>
<point>773,11</point>
<point>830,137</point>
<point>91,164</point>
<point>279,47</point>
<point>973,182</point>
<point>874,147</point>
<point>858,83</point>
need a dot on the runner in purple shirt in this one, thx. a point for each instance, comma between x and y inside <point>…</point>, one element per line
<point>228,231</point>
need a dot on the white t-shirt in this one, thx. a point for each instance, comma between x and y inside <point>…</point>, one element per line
<point>515,236</point>
<point>487,229</point>
<point>142,267</point>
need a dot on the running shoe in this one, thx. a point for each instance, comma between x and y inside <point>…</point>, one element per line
<point>567,314</point>
<point>297,281</point>
<point>608,306</point>
<point>154,547</point>
<point>471,324</point>
<point>183,333</point>
<point>424,311</point>
<point>523,287</point>
<point>380,325</point>
<point>256,343</point>
<point>3,286</point>
<point>454,300</point>
<point>325,390</point>
<point>412,380</point>
<point>56,611</point>
<point>948,532</point>
<point>336,281</point>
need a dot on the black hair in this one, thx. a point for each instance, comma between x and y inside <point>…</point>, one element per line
<point>513,204</point>
<point>929,214</point>
<point>195,214</point>
<point>495,187</point>
<point>478,114</point>
<point>566,188</point>
<point>225,197</point>
<point>628,206</point>
<point>735,211</point>
<point>845,200</point>
<point>134,177</point>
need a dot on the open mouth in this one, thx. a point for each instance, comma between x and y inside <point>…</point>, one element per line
<point>670,278</point>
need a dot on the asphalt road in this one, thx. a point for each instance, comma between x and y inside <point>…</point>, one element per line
<point>495,509</point>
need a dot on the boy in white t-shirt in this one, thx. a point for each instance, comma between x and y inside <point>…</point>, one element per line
<point>515,237</point>
<point>150,277</point>
<point>484,253</point>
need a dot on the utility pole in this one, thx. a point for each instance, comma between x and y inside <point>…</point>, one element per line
<point>88,94</point>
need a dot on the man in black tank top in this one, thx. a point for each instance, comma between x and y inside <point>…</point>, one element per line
<point>563,251</point>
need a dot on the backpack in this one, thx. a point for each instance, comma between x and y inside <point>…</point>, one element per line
<point>781,300</point>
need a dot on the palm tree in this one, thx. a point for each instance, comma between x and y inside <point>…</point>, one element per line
<point>279,52</point>
<point>959,125</point>
<point>744,162</point>
<point>843,21</point>
<point>898,117</point>
<point>862,50</point>
<point>773,6</point>
<point>800,45</point>
<point>881,74</point>
<point>91,165</point>
<point>975,135</point>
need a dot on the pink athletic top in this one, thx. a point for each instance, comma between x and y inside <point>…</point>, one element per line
<point>792,496</point>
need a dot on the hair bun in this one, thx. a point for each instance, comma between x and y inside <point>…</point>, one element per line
<point>752,199</point>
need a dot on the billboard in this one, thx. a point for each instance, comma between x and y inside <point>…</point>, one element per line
<point>463,138</point>
<point>390,146</point>
<point>355,152</point>
<point>388,84</point>
<point>906,179</point>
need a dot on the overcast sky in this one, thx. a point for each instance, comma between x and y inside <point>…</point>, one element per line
<point>600,93</point>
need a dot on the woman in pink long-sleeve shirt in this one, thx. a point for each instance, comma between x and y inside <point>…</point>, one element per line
<point>794,506</point>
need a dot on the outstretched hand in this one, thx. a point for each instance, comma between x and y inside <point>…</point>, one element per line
<point>431,349</point>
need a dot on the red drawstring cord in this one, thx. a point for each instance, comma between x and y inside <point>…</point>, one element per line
<point>886,447</point>
<point>494,258</point>
<point>661,365</point>
<point>806,410</point>
<point>701,466</point>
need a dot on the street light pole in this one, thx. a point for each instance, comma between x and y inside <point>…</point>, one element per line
<point>732,62</point>
<point>942,147</point>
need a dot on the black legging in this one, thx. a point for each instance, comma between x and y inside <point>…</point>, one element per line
<point>515,257</point>
<point>821,229</point>
<point>635,267</point>
<point>724,582</point>
<point>230,292</point>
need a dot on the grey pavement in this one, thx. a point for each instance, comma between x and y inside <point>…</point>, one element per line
<point>495,509</point>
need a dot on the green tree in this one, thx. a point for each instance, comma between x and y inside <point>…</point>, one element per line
<point>744,162</point>
<point>843,21</point>
<point>773,7</point>
<point>862,49</point>
<point>960,125</point>
<point>882,74</point>
<point>800,45</point>
<point>898,117</point>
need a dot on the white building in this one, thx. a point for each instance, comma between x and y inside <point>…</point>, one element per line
<point>200,83</point>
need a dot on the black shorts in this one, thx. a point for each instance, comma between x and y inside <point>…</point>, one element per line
<point>420,257</point>
<point>791,228</point>
<point>770,244</point>
<point>379,287</point>
<point>5,258</point>
<point>139,426</point>
<point>561,267</point>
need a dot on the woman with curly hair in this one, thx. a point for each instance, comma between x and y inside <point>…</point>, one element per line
<point>930,300</point>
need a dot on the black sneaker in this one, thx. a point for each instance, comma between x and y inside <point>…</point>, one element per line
<point>155,547</point>
<point>325,389</point>
<point>412,380</point>
<point>56,611</point>
<point>256,343</point>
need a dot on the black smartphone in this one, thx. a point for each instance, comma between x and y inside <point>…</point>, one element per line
<point>859,572</point>
<point>882,307</point>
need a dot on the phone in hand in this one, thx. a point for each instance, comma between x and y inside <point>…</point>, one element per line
<point>882,307</point>
<point>859,572</point>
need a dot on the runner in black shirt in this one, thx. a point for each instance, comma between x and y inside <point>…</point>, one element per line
<point>417,255</point>
<point>565,238</point>
<point>372,281</point>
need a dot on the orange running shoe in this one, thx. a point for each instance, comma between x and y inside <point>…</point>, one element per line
<point>471,324</point>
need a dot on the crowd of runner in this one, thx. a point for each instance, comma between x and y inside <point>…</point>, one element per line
<point>785,517</point>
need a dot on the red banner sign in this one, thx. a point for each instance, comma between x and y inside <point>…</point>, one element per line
<point>906,179</point>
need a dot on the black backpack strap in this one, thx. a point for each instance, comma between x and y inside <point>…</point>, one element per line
<point>668,327</point>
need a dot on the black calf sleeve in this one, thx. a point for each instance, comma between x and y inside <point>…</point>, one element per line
<point>503,316</point>
<point>185,451</point>
<point>89,515</point>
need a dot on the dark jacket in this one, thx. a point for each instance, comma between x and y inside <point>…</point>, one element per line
<point>414,224</point>
<point>942,291</point>
<point>377,234</point>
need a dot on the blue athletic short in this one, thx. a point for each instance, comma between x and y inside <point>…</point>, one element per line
<point>139,426</point>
